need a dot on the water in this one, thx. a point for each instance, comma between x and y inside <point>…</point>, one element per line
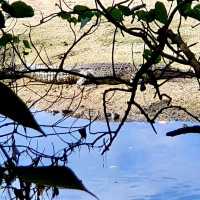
<point>143,166</point>
<point>139,166</point>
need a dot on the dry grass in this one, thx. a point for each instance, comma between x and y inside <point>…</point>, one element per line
<point>56,38</point>
<point>184,93</point>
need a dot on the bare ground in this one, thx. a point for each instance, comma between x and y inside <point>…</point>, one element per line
<point>56,38</point>
<point>87,102</point>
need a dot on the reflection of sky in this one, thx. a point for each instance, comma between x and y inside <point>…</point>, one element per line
<point>140,165</point>
<point>144,166</point>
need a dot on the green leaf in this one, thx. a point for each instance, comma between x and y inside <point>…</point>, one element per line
<point>27,44</point>
<point>84,21</point>
<point>125,10</point>
<point>13,107</point>
<point>5,39</point>
<point>21,10</point>
<point>158,59</point>
<point>7,8</point>
<point>116,14</point>
<point>79,9</point>
<point>142,15</point>
<point>85,17</point>
<point>161,12</point>
<point>64,15</point>
<point>151,15</point>
<point>55,176</point>
<point>184,8</point>
<point>84,14</point>
<point>195,12</point>
<point>145,15</point>
<point>88,14</point>
<point>97,13</point>
<point>73,20</point>
<point>16,39</point>
<point>147,54</point>
<point>197,7</point>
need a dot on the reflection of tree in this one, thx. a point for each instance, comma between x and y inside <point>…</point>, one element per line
<point>162,44</point>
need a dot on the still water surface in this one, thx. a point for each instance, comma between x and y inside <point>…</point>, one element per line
<point>139,166</point>
<point>143,166</point>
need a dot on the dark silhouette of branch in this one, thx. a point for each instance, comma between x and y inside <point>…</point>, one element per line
<point>184,130</point>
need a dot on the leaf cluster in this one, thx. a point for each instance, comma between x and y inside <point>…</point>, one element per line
<point>80,14</point>
<point>159,13</point>
<point>186,10</point>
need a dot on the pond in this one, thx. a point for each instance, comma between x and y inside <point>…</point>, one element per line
<point>142,166</point>
<point>139,166</point>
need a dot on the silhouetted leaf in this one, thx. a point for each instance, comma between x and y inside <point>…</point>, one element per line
<point>84,21</point>
<point>19,193</point>
<point>195,12</point>
<point>184,7</point>
<point>125,10</point>
<point>55,192</point>
<point>83,133</point>
<point>147,54</point>
<point>79,9</point>
<point>160,12</point>
<point>85,17</point>
<point>26,44</point>
<point>2,20</point>
<point>21,10</point>
<point>73,20</point>
<point>116,14</point>
<point>142,86</point>
<point>151,15</point>
<point>7,8</point>
<point>16,39</point>
<point>13,107</point>
<point>55,176</point>
<point>64,15</point>
<point>5,39</point>
<point>145,15</point>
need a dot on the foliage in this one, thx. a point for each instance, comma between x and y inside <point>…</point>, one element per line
<point>17,9</point>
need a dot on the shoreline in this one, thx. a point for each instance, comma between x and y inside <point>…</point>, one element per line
<point>86,102</point>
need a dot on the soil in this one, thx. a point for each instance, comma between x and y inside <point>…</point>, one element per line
<point>56,37</point>
<point>87,101</point>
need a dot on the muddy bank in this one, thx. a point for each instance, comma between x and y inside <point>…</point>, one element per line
<point>87,102</point>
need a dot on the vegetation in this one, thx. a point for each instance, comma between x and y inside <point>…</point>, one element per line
<point>163,42</point>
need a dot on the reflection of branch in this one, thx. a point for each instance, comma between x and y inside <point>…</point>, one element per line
<point>146,115</point>
<point>184,130</point>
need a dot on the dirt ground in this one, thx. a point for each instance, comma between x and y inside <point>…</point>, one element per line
<point>87,101</point>
<point>55,37</point>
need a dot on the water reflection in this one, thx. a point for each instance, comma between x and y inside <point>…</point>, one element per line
<point>139,166</point>
<point>143,166</point>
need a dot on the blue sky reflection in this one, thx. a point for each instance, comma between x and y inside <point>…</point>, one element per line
<point>139,166</point>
